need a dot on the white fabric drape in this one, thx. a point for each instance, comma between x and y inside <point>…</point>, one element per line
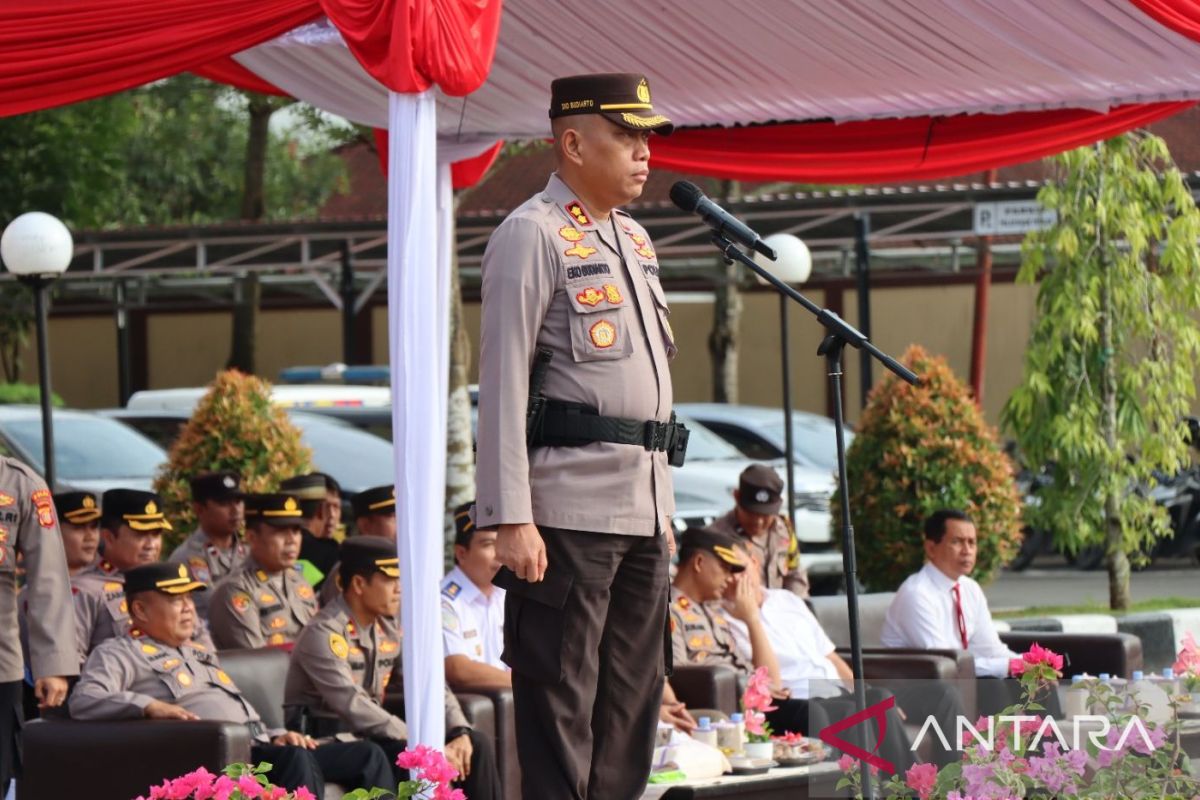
<point>419,343</point>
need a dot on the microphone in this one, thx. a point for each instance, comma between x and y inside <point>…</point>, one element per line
<point>688,197</point>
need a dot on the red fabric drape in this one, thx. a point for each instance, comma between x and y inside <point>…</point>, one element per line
<point>410,46</point>
<point>54,52</point>
<point>463,174</point>
<point>226,70</point>
<point>880,151</point>
<point>1181,16</point>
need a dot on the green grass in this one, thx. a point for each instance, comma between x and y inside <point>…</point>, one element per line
<point>1153,604</point>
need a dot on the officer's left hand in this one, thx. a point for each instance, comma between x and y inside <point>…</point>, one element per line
<point>671,540</point>
<point>50,691</point>
<point>295,740</point>
<point>458,753</point>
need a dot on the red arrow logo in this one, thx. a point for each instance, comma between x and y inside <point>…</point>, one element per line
<point>879,712</point>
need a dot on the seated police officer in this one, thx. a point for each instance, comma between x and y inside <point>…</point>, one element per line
<point>267,601</point>
<point>159,672</point>
<point>344,659</point>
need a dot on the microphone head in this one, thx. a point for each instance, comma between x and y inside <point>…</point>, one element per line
<point>686,195</point>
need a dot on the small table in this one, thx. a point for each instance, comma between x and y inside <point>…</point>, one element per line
<point>781,783</point>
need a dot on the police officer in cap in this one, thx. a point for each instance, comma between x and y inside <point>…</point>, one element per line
<point>28,527</point>
<point>766,533</point>
<point>346,657</point>
<point>161,672</point>
<point>583,517</point>
<point>318,551</point>
<point>215,548</point>
<point>374,515</point>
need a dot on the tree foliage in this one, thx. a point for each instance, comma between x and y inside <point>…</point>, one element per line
<point>1109,370</point>
<point>235,426</point>
<point>919,449</point>
<point>171,152</point>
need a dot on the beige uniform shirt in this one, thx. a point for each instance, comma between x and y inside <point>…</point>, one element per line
<point>554,277</point>
<point>701,634</point>
<point>123,675</point>
<point>341,671</point>
<point>208,562</point>
<point>777,550</point>
<point>28,526</point>
<point>252,608</point>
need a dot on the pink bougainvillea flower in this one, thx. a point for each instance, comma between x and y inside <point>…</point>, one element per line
<point>846,763</point>
<point>1016,667</point>
<point>304,794</point>
<point>250,787</point>
<point>921,779</point>
<point>1188,660</point>
<point>755,723</point>
<point>1043,655</point>
<point>757,696</point>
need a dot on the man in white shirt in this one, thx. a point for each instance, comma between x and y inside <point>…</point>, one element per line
<point>473,610</point>
<point>942,607</point>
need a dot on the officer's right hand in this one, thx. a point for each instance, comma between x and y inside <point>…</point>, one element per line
<point>157,709</point>
<point>521,549</point>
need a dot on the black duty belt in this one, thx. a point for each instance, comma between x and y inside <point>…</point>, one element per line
<point>564,424</point>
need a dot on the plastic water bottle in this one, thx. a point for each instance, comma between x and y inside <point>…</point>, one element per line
<point>1166,681</point>
<point>705,732</point>
<point>1075,701</point>
<point>739,723</point>
<point>1149,693</point>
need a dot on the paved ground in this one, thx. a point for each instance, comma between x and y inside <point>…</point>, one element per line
<point>1049,581</point>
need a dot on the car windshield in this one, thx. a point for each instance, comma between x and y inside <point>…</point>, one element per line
<point>88,448</point>
<point>704,445</point>
<point>814,440</point>
<point>358,460</point>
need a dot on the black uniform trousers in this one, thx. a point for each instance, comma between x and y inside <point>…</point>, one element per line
<point>483,782</point>
<point>586,646</point>
<point>354,765</point>
<point>11,718</point>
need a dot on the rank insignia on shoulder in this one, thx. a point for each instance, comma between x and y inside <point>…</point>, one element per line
<point>262,576</point>
<point>452,590</point>
<point>613,295</point>
<point>590,297</point>
<point>338,646</point>
<point>603,334</point>
<point>576,212</point>
<point>683,602</point>
<point>305,592</point>
<point>149,649</point>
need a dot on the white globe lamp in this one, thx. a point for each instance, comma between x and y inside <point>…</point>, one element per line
<point>794,264</point>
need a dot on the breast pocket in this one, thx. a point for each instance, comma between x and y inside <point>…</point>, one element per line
<point>599,322</point>
<point>664,312</point>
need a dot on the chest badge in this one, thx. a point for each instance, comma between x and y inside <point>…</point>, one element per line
<point>643,247</point>
<point>338,646</point>
<point>184,678</point>
<point>613,295</point>
<point>575,237</point>
<point>590,297</point>
<point>603,334</point>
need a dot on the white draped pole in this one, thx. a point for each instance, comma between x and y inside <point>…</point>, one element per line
<point>419,344</point>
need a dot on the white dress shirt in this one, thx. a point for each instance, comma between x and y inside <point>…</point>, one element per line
<point>799,642</point>
<point>923,615</point>
<point>472,622</point>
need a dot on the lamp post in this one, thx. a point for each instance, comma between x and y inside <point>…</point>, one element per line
<point>37,248</point>
<point>794,265</point>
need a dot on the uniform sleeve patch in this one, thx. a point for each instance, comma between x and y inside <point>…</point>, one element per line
<point>45,507</point>
<point>338,646</point>
<point>240,601</point>
<point>451,590</point>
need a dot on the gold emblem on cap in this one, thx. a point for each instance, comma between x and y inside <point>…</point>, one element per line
<point>152,507</point>
<point>88,502</point>
<point>643,91</point>
<point>289,504</point>
<point>183,571</point>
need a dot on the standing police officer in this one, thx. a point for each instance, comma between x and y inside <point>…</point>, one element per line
<point>583,517</point>
<point>28,527</point>
<point>215,548</point>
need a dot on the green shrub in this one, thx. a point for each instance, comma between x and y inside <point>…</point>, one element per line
<point>235,426</point>
<point>25,393</point>
<point>919,449</point>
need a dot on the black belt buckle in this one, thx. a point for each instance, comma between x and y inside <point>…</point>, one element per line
<point>654,435</point>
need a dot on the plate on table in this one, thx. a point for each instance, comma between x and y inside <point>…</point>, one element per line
<point>807,751</point>
<point>813,757</point>
<point>755,767</point>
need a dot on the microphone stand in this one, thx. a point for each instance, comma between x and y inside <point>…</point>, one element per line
<point>840,334</point>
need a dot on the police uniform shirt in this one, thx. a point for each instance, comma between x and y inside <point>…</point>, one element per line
<point>340,671</point>
<point>777,550</point>
<point>29,527</point>
<point>123,675</point>
<point>700,634</point>
<point>472,622</point>
<point>253,608</point>
<point>588,291</point>
<point>208,562</point>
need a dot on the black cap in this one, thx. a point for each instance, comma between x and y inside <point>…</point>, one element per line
<point>223,485</point>
<point>308,489</point>
<point>718,543</point>
<point>464,523</point>
<point>161,577</point>
<point>620,97</point>
<point>760,489</point>
<point>77,507</point>
<point>141,511</point>
<point>364,555</point>
<point>279,510</point>
<point>376,500</point>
